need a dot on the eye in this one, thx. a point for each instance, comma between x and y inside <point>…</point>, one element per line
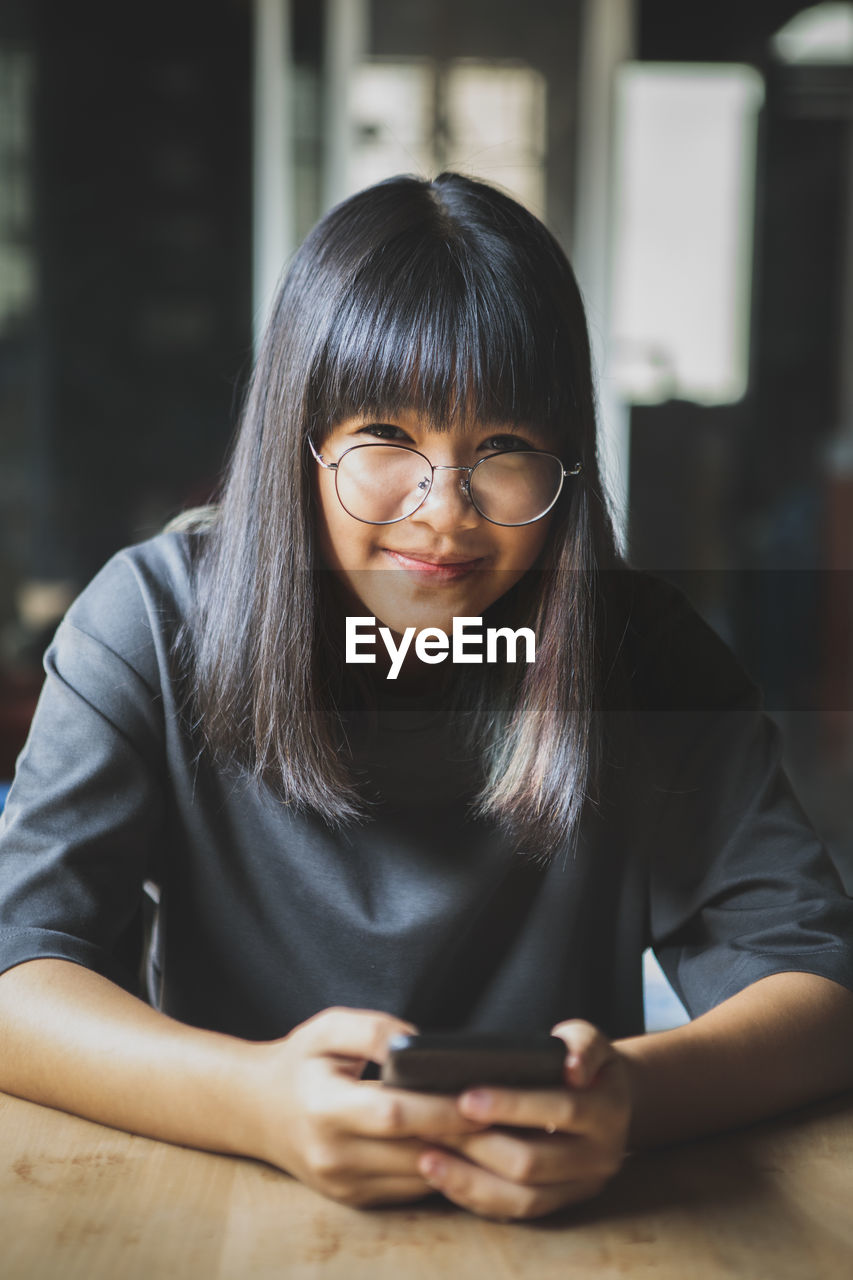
<point>382,431</point>
<point>505,444</point>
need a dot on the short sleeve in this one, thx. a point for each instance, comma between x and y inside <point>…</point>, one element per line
<point>79,831</point>
<point>740,885</point>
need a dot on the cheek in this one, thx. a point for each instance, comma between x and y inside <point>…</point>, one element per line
<point>343,543</point>
<point>520,548</point>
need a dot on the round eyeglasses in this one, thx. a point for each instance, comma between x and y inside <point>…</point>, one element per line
<point>384,483</point>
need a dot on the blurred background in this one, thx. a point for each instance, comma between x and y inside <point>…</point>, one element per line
<point>159,163</point>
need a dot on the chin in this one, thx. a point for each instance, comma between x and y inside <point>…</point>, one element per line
<point>398,605</point>
<point>399,615</point>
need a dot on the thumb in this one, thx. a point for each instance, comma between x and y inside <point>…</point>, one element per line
<point>588,1051</point>
<point>351,1033</point>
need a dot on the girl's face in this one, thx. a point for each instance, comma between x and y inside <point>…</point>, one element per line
<point>445,560</point>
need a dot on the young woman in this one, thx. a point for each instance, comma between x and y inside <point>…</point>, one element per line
<point>340,855</point>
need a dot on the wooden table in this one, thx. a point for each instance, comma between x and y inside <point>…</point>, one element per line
<point>83,1202</point>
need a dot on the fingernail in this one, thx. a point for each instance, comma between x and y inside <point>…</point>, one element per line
<point>577,1067</point>
<point>433,1168</point>
<point>477,1103</point>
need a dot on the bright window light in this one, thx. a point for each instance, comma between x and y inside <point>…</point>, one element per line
<point>496,117</point>
<point>417,116</point>
<point>683,218</point>
<point>820,34</point>
<point>392,107</point>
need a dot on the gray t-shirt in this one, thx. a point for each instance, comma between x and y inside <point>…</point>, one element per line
<point>695,846</point>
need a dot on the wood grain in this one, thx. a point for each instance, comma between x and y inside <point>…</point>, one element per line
<point>84,1202</point>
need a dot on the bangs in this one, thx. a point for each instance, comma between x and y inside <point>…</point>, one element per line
<point>451,330</point>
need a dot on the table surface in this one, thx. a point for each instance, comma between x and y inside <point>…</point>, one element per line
<point>84,1202</point>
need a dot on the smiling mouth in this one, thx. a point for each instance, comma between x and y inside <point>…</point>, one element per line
<point>438,570</point>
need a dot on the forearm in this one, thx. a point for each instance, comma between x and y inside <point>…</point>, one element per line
<point>780,1043</point>
<point>73,1040</point>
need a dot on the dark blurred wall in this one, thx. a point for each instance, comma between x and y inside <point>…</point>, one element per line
<point>742,504</point>
<point>725,31</point>
<point>142,177</point>
<point>125,311</point>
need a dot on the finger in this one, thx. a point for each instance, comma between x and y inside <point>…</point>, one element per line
<point>535,1159</point>
<point>374,1110</point>
<point>588,1051</point>
<point>346,1158</point>
<point>491,1196</point>
<point>337,1164</point>
<point>377,1191</point>
<point>352,1033</point>
<point>561,1110</point>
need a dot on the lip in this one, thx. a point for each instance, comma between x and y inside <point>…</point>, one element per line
<point>443,569</point>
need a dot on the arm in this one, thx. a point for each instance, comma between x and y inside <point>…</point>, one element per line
<point>72,1039</point>
<point>781,1042</point>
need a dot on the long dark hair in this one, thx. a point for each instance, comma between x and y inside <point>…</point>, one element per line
<point>449,298</point>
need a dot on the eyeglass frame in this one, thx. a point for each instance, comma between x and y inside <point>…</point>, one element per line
<point>465,484</point>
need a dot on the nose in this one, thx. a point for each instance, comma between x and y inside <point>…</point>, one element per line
<point>448,506</point>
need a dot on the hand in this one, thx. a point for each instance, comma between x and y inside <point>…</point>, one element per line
<point>354,1140</point>
<point>552,1148</point>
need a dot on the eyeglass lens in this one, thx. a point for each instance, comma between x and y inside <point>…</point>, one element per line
<point>381,484</point>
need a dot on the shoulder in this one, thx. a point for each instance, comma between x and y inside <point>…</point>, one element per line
<point>136,605</point>
<point>661,654</point>
<point>149,579</point>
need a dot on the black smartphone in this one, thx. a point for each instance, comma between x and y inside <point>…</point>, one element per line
<point>456,1060</point>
